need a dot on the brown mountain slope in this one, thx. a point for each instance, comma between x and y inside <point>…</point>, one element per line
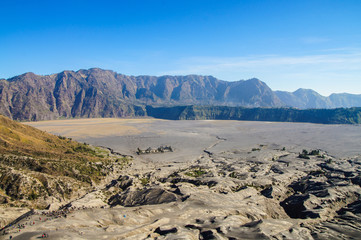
<point>37,168</point>
<point>102,93</point>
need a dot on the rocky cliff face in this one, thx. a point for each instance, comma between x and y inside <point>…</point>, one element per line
<point>101,93</point>
<point>67,94</point>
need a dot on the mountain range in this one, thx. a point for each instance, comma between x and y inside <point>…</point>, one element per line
<point>307,98</point>
<point>103,93</point>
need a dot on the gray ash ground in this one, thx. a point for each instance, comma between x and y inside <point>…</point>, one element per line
<point>224,180</point>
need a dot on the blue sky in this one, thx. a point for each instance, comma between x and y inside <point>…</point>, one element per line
<point>287,44</point>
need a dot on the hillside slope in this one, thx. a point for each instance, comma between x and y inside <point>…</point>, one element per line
<point>37,168</point>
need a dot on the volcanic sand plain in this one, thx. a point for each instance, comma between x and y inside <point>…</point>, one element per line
<point>126,135</point>
<point>224,180</point>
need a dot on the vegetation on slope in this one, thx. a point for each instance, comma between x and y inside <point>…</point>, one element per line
<point>35,165</point>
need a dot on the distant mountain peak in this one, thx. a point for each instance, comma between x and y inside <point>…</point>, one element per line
<point>26,75</point>
<point>254,80</point>
<point>306,92</point>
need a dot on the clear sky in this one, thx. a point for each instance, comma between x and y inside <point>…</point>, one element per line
<point>288,44</point>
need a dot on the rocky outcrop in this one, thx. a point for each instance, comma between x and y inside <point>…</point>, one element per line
<point>38,189</point>
<point>143,197</point>
<point>161,149</point>
<point>323,192</point>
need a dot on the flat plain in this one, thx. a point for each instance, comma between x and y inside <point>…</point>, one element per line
<point>125,135</point>
<point>223,180</point>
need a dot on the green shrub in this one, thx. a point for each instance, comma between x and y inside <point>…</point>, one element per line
<point>233,175</point>
<point>33,196</point>
<point>314,152</point>
<point>84,149</point>
<point>144,181</point>
<point>196,173</point>
<point>304,156</point>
